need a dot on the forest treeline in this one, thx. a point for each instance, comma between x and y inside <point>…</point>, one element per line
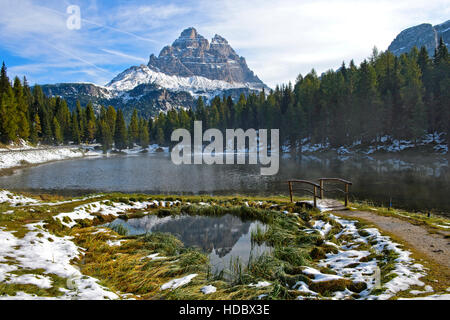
<point>29,115</point>
<point>401,97</point>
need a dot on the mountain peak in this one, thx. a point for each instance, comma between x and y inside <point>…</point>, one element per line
<point>192,55</point>
<point>189,33</point>
<point>218,40</point>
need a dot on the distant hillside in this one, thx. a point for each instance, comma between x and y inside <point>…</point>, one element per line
<point>422,35</point>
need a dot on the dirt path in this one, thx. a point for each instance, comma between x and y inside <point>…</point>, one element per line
<point>434,246</point>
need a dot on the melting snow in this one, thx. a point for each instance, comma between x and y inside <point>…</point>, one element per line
<point>260,284</point>
<point>175,283</point>
<point>208,289</point>
<point>39,249</point>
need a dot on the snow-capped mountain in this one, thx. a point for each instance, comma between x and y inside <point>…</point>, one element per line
<point>190,67</point>
<point>192,55</point>
<point>422,35</point>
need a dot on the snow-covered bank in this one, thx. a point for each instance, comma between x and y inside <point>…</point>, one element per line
<point>17,158</point>
<point>385,144</point>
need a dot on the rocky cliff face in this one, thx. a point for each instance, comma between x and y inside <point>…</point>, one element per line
<point>422,35</point>
<point>192,55</point>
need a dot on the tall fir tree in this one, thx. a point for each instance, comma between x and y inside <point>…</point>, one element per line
<point>121,134</point>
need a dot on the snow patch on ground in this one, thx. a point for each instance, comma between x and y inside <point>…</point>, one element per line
<point>175,283</point>
<point>408,273</point>
<point>13,199</point>
<point>88,211</point>
<point>319,276</point>
<point>39,249</point>
<point>208,289</point>
<point>260,284</point>
<point>323,227</point>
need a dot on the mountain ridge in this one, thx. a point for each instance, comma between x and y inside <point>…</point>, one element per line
<point>420,35</point>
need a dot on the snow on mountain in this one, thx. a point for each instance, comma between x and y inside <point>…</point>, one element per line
<point>195,85</point>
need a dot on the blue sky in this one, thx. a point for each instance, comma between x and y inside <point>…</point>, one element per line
<point>279,39</point>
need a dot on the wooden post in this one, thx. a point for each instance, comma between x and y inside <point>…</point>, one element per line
<point>346,194</point>
<point>315,199</point>
<point>290,190</point>
<point>321,189</point>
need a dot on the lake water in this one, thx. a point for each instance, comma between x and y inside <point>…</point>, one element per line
<point>225,238</point>
<point>415,183</point>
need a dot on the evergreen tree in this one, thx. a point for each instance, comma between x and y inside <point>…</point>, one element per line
<point>22,111</point>
<point>57,132</point>
<point>160,136</point>
<point>110,119</point>
<point>8,116</point>
<point>107,136</point>
<point>75,129</point>
<point>133,129</point>
<point>144,139</point>
<point>121,134</point>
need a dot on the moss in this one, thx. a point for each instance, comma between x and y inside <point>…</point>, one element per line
<point>327,287</point>
<point>357,286</point>
<point>327,270</point>
<point>317,253</point>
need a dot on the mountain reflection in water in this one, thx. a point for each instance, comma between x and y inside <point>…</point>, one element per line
<point>225,238</point>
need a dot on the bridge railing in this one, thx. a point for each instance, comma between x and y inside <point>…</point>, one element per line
<point>315,192</point>
<point>318,188</point>
<point>345,191</point>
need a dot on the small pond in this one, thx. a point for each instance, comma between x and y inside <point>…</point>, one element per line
<point>225,239</point>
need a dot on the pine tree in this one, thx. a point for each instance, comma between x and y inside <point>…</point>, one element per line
<point>89,123</point>
<point>133,129</point>
<point>121,135</point>
<point>111,116</point>
<point>107,136</point>
<point>47,130</point>
<point>4,80</point>
<point>81,120</point>
<point>57,133</point>
<point>8,116</point>
<point>75,129</point>
<point>22,110</point>
<point>144,139</point>
<point>160,136</point>
<point>411,91</point>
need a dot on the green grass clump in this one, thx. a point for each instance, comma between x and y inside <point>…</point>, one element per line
<point>118,228</point>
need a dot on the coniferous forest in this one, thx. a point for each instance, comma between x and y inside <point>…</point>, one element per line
<point>401,97</point>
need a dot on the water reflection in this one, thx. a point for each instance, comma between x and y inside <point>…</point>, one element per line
<point>224,238</point>
<point>415,183</point>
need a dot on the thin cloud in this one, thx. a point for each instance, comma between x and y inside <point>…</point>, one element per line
<point>124,55</point>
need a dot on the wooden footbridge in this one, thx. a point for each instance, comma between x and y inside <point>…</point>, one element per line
<point>318,190</point>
